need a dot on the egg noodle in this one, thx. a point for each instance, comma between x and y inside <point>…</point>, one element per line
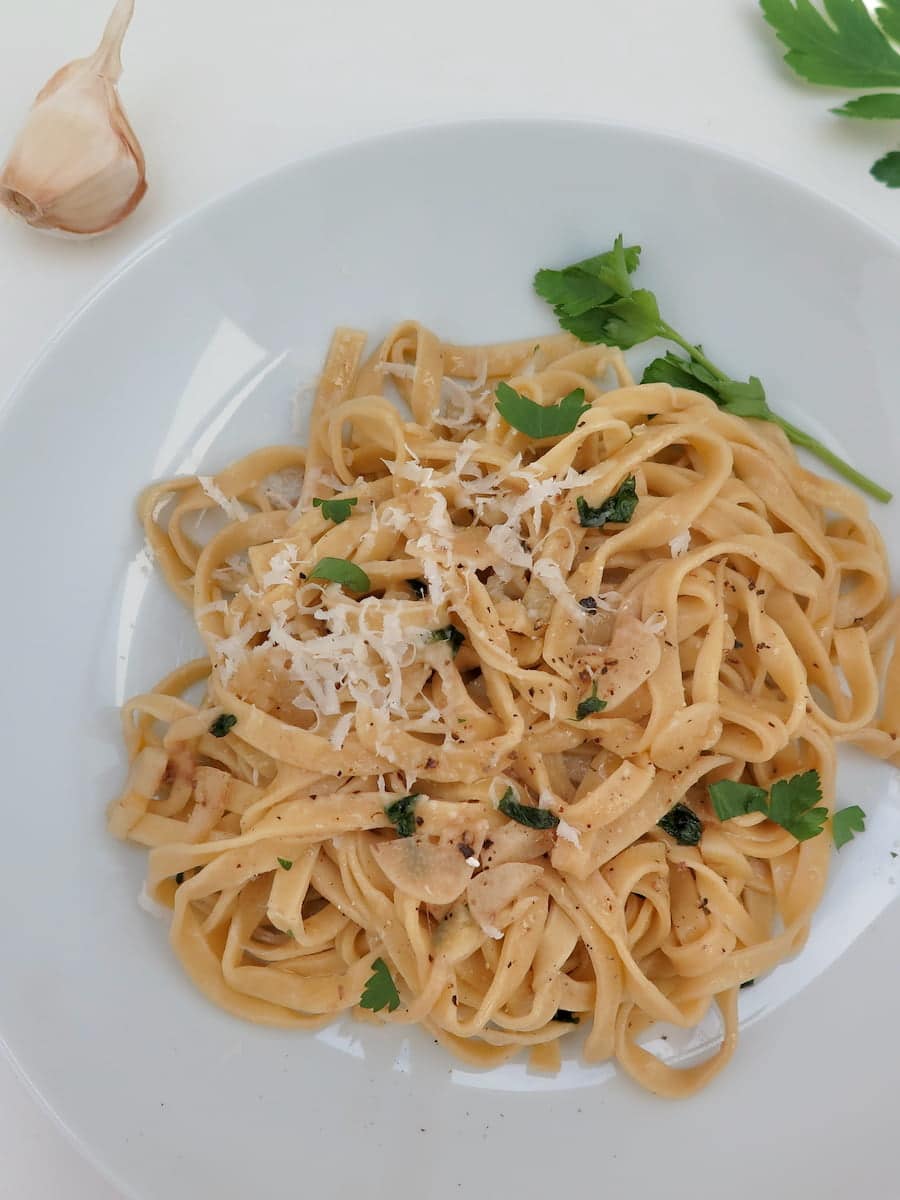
<point>736,627</point>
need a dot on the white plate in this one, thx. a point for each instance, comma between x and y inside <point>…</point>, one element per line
<point>190,355</point>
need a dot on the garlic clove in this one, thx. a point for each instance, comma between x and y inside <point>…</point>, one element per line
<point>76,165</point>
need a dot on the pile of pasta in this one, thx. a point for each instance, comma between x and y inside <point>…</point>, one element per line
<point>738,626</point>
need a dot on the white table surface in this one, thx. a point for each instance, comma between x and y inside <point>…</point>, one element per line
<point>222,90</point>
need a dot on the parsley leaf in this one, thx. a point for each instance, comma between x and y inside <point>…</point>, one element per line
<point>741,399</point>
<point>449,633</point>
<point>590,283</point>
<point>402,814</point>
<point>380,990</point>
<point>285,863</point>
<point>593,704</point>
<point>337,509</point>
<point>625,322</point>
<point>539,420</point>
<point>791,805</point>
<point>341,570</point>
<point>526,814</point>
<point>887,169</point>
<point>419,586</point>
<point>883,106</point>
<point>846,823</point>
<point>848,51</point>
<point>732,799</point>
<point>627,318</point>
<point>223,724</point>
<point>682,824</point>
<point>619,507</point>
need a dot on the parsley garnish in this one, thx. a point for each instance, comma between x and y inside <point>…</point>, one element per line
<point>285,863</point>
<point>565,1017</point>
<point>619,507</point>
<point>598,304</point>
<point>682,824</point>
<point>223,724</point>
<point>539,420</point>
<point>593,704</point>
<point>380,990</point>
<point>846,823</point>
<point>526,814</point>
<point>337,510</point>
<point>401,813</point>
<point>449,633</point>
<point>847,48</point>
<point>341,570</point>
<point>792,803</point>
<point>419,586</point>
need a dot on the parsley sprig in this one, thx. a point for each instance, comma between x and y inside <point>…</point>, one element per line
<point>846,46</point>
<point>528,815</point>
<point>595,300</point>
<point>793,803</point>
<point>336,509</point>
<point>540,420</point>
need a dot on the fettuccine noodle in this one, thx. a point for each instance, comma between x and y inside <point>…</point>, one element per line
<point>737,627</point>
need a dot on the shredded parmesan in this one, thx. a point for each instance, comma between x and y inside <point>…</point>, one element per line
<point>231,507</point>
<point>568,832</point>
<point>680,544</point>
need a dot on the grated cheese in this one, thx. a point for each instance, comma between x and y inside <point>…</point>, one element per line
<point>231,507</point>
<point>568,832</point>
<point>680,544</point>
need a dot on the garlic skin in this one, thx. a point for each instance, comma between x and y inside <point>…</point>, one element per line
<point>76,166</point>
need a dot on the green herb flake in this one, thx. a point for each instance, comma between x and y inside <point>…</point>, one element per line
<point>401,813</point>
<point>538,420</point>
<point>380,991</point>
<point>593,704</point>
<point>223,724</point>
<point>337,509</point>
<point>179,879</point>
<point>884,106</point>
<point>682,824</point>
<point>449,633</point>
<point>342,571</point>
<point>748,983</point>
<point>846,823</point>
<point>526,814</point>
<point>565,1017</point>
<point>285,863</point>
<point>619,507</point>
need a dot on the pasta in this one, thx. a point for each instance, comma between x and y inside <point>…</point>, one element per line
<point>502,657</point>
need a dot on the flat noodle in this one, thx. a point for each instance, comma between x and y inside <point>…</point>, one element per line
<point>736,628</point>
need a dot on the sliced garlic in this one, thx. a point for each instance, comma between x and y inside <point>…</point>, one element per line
<point>76,166</point>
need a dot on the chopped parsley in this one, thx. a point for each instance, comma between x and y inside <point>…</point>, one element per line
<point>792,803</point>
<point>449,633</point>
<point>380,990</point>
<point>223,724</point>
<point>540,420</point>
<point>593,704</point>
<point>618,507</point>
<point>682,824</point>
<point>285,863</point>
<point>401,813</point>
<point>179,879</point>
<point>342,571</point>
<point>526,814</point>
<point>337,509</point>
<point>846,823</point>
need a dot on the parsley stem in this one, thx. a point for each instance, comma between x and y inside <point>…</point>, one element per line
<point>694,352</point>
<point>799,438</point>
<point>795,435</point>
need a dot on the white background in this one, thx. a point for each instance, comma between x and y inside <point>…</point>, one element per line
<point>222,90</point>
